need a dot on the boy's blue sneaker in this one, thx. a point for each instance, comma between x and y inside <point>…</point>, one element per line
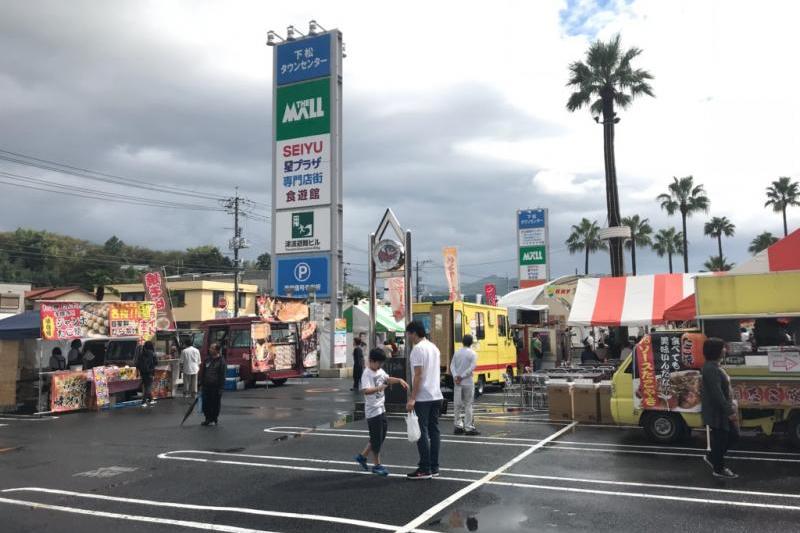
<point>380,470</point>
<point>360,459</point>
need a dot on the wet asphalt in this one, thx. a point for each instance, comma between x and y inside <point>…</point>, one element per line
<point>281,461</point>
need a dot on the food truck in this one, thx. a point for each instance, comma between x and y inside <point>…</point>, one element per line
<point>448,322</point>
<point>660,386</point>
<point>279,344</point>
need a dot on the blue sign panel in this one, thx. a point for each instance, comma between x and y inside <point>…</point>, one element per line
<point>304,59</point>
<point>303,275</point>
<point>531,218</point>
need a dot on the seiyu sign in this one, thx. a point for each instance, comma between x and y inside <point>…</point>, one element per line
<point>303,231</point>
<point>532,244</point>
<point>303,172</point>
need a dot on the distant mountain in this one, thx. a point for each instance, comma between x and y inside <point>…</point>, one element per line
<point>504,285</point>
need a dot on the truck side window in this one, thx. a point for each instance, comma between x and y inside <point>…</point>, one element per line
<point>501,325</point>
<point>241,338</point>
<point>458,328</point>
<point>480,326</point>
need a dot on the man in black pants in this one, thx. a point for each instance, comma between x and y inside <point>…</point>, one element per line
<point>719,410</point>
<point>358,363</point>
<point>212,380</point>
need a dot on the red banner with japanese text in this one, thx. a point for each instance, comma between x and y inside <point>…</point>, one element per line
<point>397,297</point>
<point>490,290</point>
<point>60,320</point>
<point>132,319</point>
<point>155,290</point>
<point>451,272</point>
<point>667,372</point>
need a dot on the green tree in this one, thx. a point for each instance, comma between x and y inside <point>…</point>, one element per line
<point>604,81</point>
<point>640,236</point>
<point>206,259</point>
<point>762,242</point>
<point>354,293</point>
<point>264,262</point>
<point>668,242</point>
<point>687,198</point>
<point>585,237</point>
<point>717,264</point>
<point>716,228</point>
<point>782,194</point>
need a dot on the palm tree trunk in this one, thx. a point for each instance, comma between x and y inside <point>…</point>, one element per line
<point>586,265</point>
<point>719,244</point>
<point>685,245</point>
<point>633,257</point>
<point>785,227</point>
<point>669,255</point>
<point>612,195</point>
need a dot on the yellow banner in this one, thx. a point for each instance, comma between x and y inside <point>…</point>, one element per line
<point>749,295</point>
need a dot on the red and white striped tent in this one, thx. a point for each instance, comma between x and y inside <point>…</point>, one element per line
<point>628,301</point>
<point>782,256</point>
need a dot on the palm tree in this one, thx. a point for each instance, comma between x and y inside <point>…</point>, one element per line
<point>585,237</point>
<point>716,228</point>
<point>604,81</point>
<point>762,242</point>
<point>687,198</point>
<point>717,264</point>
<point>640,236</point>
<point>782,194</point>
<point>668,242</point>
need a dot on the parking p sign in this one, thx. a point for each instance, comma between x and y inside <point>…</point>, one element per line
<point>300,276</point>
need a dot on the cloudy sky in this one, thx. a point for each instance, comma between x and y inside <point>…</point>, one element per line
<point>454,116</point>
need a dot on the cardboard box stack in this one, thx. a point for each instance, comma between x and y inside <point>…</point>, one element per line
<point>604,402</point>
<point>584,400</point>
<point>559,397</point>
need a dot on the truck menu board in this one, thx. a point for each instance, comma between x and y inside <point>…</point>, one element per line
<point>667,372</point>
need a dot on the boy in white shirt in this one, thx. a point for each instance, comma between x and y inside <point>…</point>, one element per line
<point>374,381</point>
<point>462,367</point>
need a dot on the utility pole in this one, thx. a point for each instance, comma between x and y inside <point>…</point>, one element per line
<point>419,264</point>
<point>233,205</point>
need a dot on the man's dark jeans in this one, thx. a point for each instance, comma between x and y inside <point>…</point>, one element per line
<point>428,443</point>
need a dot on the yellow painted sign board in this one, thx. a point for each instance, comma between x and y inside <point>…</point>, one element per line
<point>775,294</point>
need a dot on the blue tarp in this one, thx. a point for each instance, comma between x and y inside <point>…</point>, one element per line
<point>18,327</point>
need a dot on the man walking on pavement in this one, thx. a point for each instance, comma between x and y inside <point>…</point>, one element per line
<point>358,363</point>
<point>212,375</point>
<point>462,367</point>
<point>190,361</point>
<point>145,363</point>
<point>425,399</point>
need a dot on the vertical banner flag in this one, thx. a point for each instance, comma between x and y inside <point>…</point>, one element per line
<point>155,290</point>
<point>397,291</point>
<point>532,244</point>
<point>340,342</point>
<point>490,291</point>
<point>451,272</point>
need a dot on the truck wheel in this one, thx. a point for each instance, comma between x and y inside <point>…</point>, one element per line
<point>480,386</point>
<point>664,428</point>
<point>793,429</point>
<point>279,382</point>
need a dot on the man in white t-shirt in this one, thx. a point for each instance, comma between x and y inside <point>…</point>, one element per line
<point>425,399</point>
<point>462,367</point>
<point>190,361</point>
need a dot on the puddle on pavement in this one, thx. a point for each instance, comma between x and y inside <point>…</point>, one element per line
<point>228,450</point>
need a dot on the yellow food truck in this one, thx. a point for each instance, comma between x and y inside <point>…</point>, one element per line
<point>659,386</point>
<point>448,322</point>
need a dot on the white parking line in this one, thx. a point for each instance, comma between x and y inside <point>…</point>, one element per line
<point>134,518</point>
<point>433,511</point>
<point>168,455</point>
<point>175,505</point>
<point>329,433</point>
<point>674,454</point>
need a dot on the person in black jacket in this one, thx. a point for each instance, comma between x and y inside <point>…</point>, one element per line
<point>212,381</point>
<point>719,410</point>
<point>146,362</point>
<point>358,363</point>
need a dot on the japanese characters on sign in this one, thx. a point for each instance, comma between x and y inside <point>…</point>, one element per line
<point>303,172</point>
<point>397,291</point>
<point>303,231</point>
<point>667,376</point>
<point>490,291</point>
<point>60,320</point>
<point>300,276</point>
<point>155,290</point>
<point>340,342</point>
<point>532,243</point>
<point>759,395</point>
<point>132,319</point>
<point>303,60</point>
<point>450,255</point>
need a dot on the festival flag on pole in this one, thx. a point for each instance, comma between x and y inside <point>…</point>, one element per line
<point>451,272</point>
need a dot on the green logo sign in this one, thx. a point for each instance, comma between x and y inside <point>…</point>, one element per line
<point>303,109</point>
<point>532,255</point>
<point>303,225</point>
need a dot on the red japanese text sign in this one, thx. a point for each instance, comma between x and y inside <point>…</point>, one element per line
<point>155,289</point>
<point>60,320</point>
